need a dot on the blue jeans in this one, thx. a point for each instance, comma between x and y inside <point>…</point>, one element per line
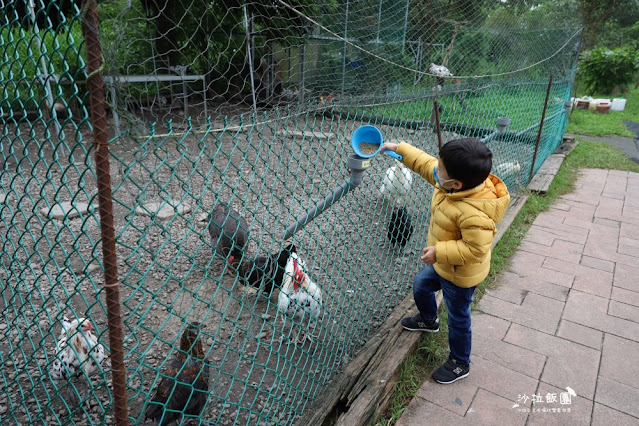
<point>457,299</point>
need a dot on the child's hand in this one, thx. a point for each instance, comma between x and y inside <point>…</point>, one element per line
<point>429,255</point>
<point>389,146</point>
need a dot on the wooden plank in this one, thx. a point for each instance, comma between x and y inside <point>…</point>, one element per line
<point>567,147</point>
<point>545,175</point>
<point>341,386</point>
<point>378,386</point>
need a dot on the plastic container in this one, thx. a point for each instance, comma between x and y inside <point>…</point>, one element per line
<point>373,140</point>
<point>603,107</point>
<point>618,104</point>
<point>582,104</point>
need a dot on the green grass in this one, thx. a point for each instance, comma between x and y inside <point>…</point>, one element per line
<point>584,122</point>
<point>432,349</point>
<point>523,105</point>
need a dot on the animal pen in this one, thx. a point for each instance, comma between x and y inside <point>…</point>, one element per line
<point>121,136</point>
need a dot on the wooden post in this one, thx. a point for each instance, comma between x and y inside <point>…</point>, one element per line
<point>541,126</point>
<point>437,126</point>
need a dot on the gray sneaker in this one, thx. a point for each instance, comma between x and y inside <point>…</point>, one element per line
<point>418,323</point>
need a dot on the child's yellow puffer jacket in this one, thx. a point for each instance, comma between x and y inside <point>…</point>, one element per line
<point>462,224</point>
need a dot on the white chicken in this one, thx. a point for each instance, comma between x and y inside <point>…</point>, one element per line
<point>300,298</point>
<point>439,71</point>
<point>396,184</point>
<point>506,170</point>
<point>77,352</point>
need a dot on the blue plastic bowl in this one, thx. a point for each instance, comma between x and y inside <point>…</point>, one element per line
<point>372,135</point>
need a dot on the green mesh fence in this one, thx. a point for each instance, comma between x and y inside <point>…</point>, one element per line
<point>249,105</point>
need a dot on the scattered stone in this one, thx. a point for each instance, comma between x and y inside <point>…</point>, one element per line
<point>202,219</point>
<point>67,210</point>
<point>163,210</point>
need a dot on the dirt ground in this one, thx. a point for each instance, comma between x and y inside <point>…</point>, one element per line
<point>169,276</point>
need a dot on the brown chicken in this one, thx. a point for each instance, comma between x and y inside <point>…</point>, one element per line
<point>184,382</point>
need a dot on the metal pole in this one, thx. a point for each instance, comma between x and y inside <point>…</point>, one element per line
<point>405,26</point>
<point>90,29</point>
<point>541,126</point>
<point>418,62</point>
<point>437,127</point>
<point>330,199</point>
<point>357,168</point>
<point>379,22</point>
<point>250,58</point>
<point>344,48</point>
<point>302,77</point>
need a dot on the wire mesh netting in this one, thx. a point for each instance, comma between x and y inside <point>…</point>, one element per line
<point>228,121</point>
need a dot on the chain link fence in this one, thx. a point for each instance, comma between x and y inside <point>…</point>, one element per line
<point>226,122</point>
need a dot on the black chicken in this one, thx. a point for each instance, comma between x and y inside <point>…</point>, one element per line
<point>184,384</point>
<point>229,232</point>
<point>400,227</point>
<point>263,272</point>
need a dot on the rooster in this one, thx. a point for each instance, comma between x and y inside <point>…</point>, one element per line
<point>397,183</point>
<point>229,232</point>
<point>439,71</point>
<point>265,271</point>
<point>184,382</point>
<point>300,298</point>
<point>77,353</point>
<point>506,170</point>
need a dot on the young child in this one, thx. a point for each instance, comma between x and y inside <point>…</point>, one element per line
<point>467,202</point>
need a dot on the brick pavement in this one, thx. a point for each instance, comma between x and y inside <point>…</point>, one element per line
<point>562,322</point>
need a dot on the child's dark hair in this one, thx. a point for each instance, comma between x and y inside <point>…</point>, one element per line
<point>468,160</point>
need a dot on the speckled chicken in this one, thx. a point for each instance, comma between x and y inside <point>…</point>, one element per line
<point>229,233</point>
<point>184,382</point>
<point>78,353</point>
<point>439,71</point>
<point>300,299</point>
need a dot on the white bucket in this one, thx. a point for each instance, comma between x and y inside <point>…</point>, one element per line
<point>618,104</point>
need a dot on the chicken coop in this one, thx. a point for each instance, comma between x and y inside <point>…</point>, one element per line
<point>183,236</point>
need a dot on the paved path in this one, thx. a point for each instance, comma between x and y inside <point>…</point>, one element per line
<point>563,320</point>
<point>629,146</point>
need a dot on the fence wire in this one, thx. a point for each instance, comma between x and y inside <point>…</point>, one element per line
<point>213,155</point>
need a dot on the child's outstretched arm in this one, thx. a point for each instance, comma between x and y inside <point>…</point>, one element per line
<point>415,159</point>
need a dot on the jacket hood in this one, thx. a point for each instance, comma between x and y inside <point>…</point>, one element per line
<point>491,197</point>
